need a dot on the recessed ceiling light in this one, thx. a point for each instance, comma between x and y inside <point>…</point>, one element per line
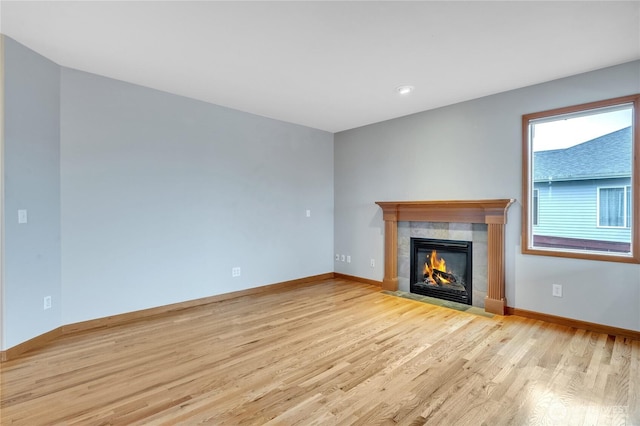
<point>404,90</point>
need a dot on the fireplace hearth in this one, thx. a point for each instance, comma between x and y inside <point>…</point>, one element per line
<point>442,269</point>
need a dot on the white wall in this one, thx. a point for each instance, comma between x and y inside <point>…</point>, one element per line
<point>472,150</point>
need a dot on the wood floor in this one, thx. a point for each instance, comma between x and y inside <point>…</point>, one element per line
<point>336,352</point>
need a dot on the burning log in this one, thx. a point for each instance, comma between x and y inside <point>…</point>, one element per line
<point>443,277</point>
<point>440,278</point>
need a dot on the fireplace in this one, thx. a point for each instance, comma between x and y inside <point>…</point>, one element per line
<point>491,212</point>
<point>441,269</point>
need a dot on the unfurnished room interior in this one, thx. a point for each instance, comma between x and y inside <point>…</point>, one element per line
<point>319,212</point>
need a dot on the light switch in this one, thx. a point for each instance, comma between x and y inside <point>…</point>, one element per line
<point>22,216</point>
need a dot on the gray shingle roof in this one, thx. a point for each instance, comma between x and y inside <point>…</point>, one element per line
<point>607,156</point>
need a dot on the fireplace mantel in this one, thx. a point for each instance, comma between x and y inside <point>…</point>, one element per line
<point>491,212</point>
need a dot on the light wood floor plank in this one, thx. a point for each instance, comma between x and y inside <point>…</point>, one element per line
<point>336,352</point>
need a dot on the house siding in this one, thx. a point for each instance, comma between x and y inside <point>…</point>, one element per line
<point>579,198</point>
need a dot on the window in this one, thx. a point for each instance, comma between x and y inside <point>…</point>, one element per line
<point>581,193</point>
<point>614,207</point>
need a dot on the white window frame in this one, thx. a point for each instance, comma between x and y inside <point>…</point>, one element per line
<point>535,207</point>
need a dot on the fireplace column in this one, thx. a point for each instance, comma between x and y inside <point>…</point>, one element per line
<point>390,281</point>
<point>495,301</point>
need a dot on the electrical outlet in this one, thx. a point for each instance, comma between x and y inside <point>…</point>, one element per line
<point>373,263</point>
<point>47,303</point>
<point>235,272</point>
<point>342,257</point>
<point>556,290</point>
<point>348,259</point>
<point>337,257</point>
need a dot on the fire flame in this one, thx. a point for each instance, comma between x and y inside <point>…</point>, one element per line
<point>435,262</point>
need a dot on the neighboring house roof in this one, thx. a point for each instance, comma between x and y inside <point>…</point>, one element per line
<point>608,156</point>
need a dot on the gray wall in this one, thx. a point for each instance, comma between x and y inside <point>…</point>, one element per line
<point>163,195</point>
<point>137,198</point>
<point>31,182</point>
<point>472,150</point>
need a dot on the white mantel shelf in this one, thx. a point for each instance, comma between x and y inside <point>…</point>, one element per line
<point>491,212</point>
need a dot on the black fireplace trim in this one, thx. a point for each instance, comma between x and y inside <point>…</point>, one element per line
<point>451,245</point>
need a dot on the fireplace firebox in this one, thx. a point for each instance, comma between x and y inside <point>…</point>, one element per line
<point>441,269</point>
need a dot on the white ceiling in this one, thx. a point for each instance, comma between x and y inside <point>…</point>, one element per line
<point>329,65</point>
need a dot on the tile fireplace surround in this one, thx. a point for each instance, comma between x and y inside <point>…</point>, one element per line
<point>491,212</point>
